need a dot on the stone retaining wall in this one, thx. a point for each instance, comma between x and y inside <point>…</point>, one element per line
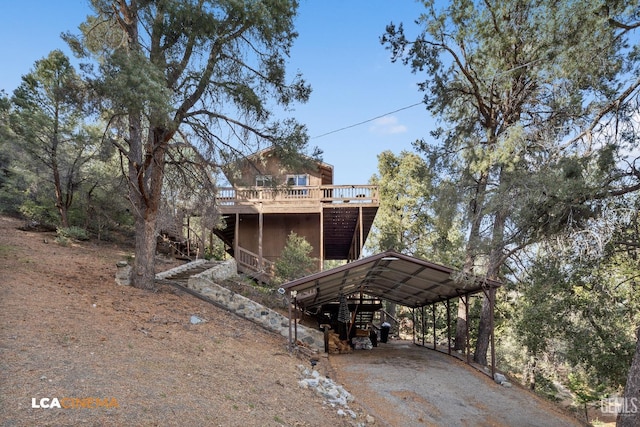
<point>204,283</point>
<point>180,269</point>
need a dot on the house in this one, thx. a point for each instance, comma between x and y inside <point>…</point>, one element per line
<point>268,200</point>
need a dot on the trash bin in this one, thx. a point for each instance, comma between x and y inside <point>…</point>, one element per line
<point>373,337</point>
<point>384,332</point>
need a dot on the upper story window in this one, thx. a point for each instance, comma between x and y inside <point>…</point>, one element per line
<point>297,180</point>
<point>264,181</point>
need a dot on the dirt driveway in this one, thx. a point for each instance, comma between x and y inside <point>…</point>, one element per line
<point>403,384</point>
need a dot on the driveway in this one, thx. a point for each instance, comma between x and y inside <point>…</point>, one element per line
<point>402,384</point>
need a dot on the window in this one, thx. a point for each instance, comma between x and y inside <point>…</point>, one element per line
<point>264,181</point>
<point>297,181</point>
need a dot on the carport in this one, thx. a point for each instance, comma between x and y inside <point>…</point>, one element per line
<point>401,279</point>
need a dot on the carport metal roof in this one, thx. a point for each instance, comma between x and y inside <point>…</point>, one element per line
<point>391,276</point>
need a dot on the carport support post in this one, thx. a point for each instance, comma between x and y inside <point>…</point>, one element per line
<point>466,316</point>
<point>289,304</point>
<point>295,319</point>
<point>433,315</point>
<point>422,321</point>
<point>492,302</point>
<point>413,313</point>
<point>448,328</point>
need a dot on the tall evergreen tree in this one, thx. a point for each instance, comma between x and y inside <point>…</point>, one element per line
<point>409,219</point>
<point>201,73</point>
<point>512,82</point>
<point>48,120</point>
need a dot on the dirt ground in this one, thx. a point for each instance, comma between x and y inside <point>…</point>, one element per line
<point>67,331</point>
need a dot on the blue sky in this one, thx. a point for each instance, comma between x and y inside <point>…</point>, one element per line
<point>337,51</point>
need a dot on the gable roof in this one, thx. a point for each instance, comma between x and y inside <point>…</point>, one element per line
<point>391,276</point>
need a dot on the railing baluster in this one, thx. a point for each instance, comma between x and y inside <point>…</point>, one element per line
<point>324,193</point>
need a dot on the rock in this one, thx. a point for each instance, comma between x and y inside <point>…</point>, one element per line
<point>370,420</point>
<point>195,320</point>
<point>123,274</point>
<point>499,378</point>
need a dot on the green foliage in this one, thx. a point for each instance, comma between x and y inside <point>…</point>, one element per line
<point>537,136</point>
<point>38,210</point>
<point>410,219</point>
<point>188,74</point>
<point>587,306</point>
<point>48,122</point>
<point>73,232</point>
<point>545,387</point>
<point>295,260</point>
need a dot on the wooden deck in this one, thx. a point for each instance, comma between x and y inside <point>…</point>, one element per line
<point>299,199</point>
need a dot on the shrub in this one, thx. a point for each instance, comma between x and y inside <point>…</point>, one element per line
<point>73,232</point>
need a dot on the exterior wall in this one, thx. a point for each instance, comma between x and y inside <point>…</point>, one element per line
<point>276,230</point>
<point>268,164</point>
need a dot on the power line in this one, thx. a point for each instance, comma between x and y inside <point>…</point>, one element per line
<point>417,103</point>
<point>367,121</point>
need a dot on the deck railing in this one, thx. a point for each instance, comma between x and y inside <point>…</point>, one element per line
<point>228,196</point>
<point>251,261</point>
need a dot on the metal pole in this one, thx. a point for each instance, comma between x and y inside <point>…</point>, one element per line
<point>295,318</point>
<point>433,314</point>
<point>423,325</point>
<point>289,304</point>
<point>413,313</point>
<point>466,311</point>
<point>448,328</point>
<point>492,301</point>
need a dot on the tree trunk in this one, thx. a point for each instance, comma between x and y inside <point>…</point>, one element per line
<point>57,182</point>
<point>475,211</point>
<point>630,416</point>
<point>532,373</point>
<point>143,272</point>
<point>484,333</point>
<point>460,340</point>
<point>495,260</point>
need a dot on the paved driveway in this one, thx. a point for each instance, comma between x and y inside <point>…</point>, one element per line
<point>401,384</point>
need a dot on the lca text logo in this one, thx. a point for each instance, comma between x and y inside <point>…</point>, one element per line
<point>74,403</point>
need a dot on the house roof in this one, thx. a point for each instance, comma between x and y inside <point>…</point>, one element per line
<point>391,276</point>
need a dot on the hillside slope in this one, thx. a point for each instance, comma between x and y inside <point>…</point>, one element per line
<point>68,331</point>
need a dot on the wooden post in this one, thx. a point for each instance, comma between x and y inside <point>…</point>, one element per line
<point>260,229</point>
<point>236,237</point>
<point>321,238</point>
<point>360,242</point>
<point>188,236</point>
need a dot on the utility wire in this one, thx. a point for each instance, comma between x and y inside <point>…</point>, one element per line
<point>367,121</point>
<point>417,103</point>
